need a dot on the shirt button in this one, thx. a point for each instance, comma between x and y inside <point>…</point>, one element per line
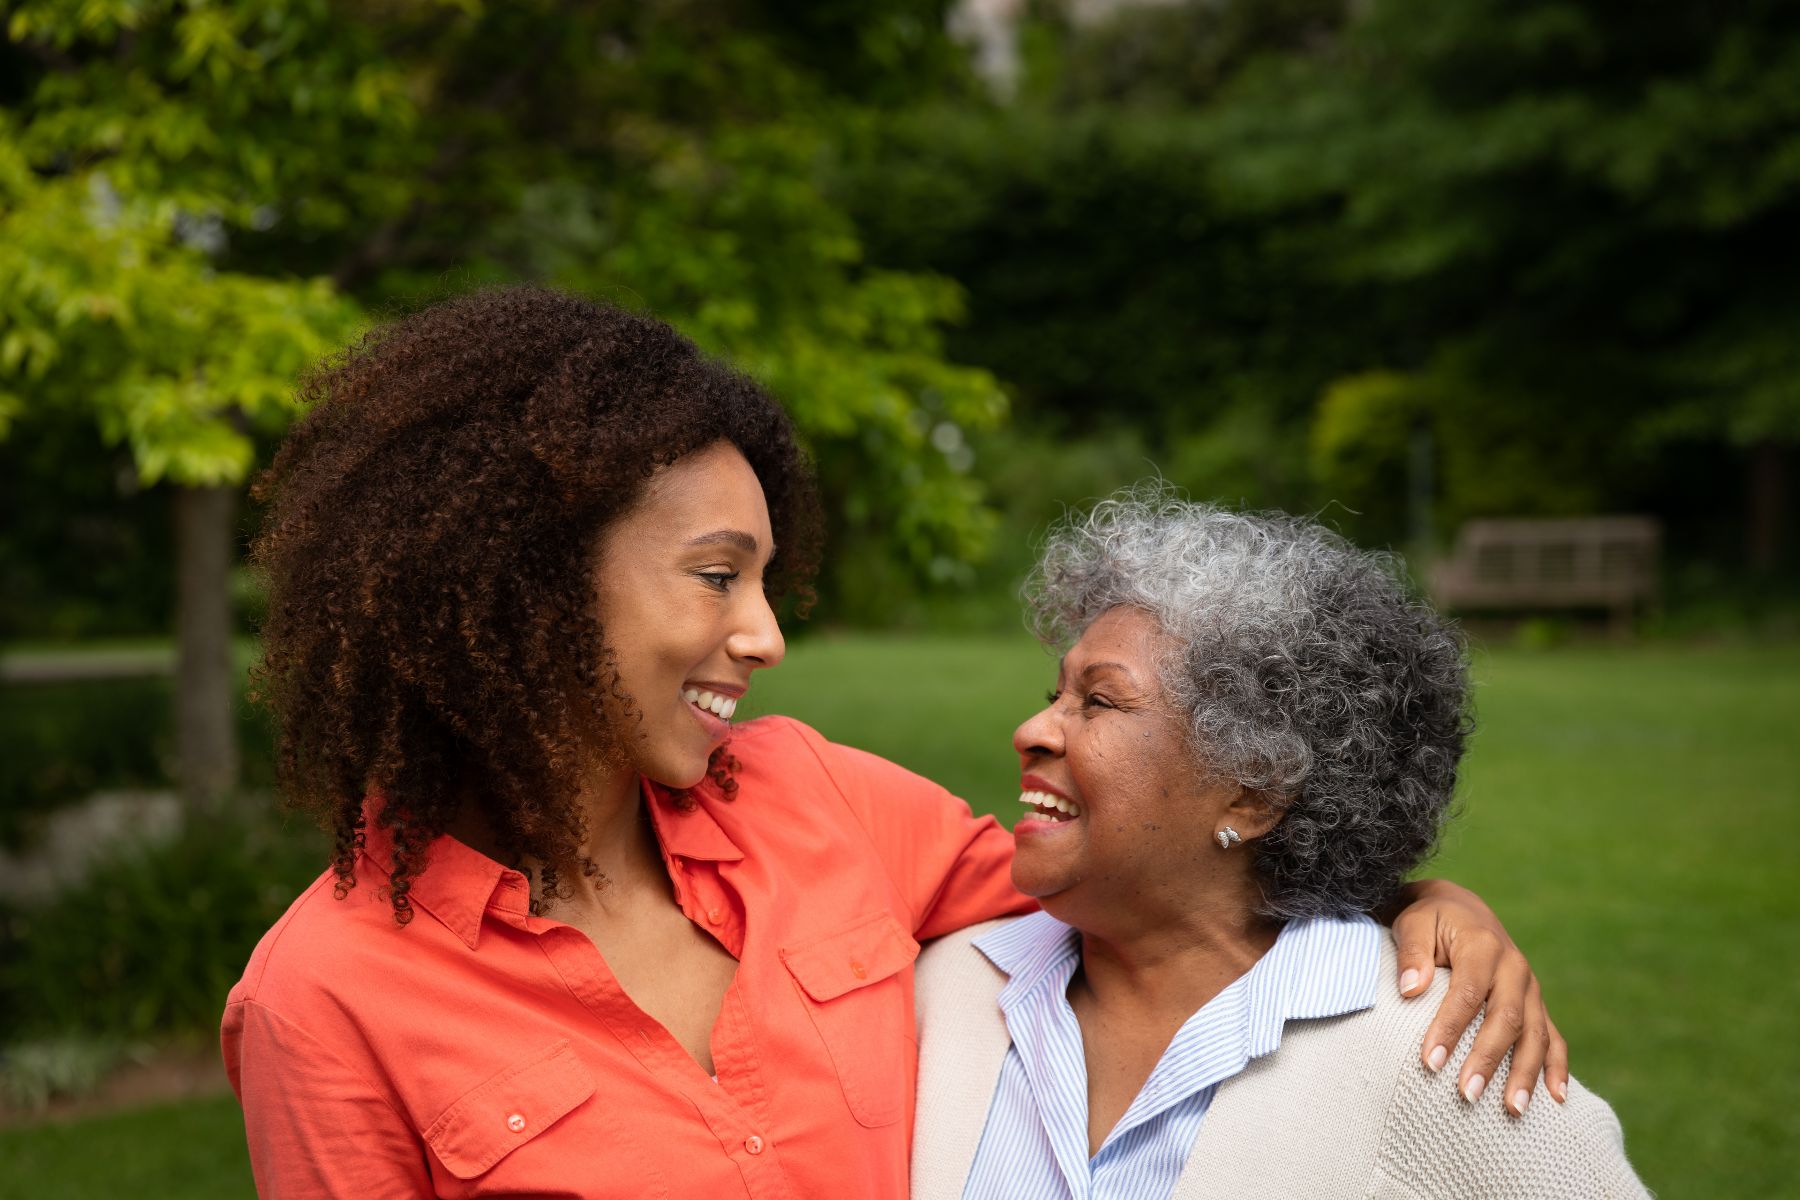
<point>715,914</point>
<point>516,1123</point>
<point>858,970</point>
<point>753,1144</point>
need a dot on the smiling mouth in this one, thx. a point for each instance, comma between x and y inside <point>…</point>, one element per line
<point>719,706</point>
<point>1046,807</point>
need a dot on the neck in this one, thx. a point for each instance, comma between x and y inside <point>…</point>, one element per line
<point>1172,960</point>
<point>620,841</point>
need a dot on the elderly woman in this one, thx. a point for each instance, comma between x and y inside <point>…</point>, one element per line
<point>1252,740</point>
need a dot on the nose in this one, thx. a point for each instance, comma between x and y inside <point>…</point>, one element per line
<point>757,639</point>
<point>1039,735</point>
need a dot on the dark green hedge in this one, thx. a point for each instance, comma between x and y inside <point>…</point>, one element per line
<point>157,936</point>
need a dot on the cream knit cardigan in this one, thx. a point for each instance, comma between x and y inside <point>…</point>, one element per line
<point>1342,1108</point>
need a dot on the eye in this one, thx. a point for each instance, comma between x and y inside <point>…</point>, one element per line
<point>1052,696</point>
<point>719,580</point>
<point>1095,700</point>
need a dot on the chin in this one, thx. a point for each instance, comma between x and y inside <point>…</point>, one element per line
<point>1039,885</point>
<point>684,777</point>
<point>679,771</point>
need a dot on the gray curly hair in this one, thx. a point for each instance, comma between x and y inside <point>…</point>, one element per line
<point>1304,670</point>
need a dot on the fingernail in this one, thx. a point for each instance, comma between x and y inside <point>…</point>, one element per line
<point>1472,1089</point>
<point>1435,1060</point>
<point>1409,981</point>
<point>1561,1091</point>
<point>1521,1098</point>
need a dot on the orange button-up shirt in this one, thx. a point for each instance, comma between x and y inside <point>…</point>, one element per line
<point>482,1051</point>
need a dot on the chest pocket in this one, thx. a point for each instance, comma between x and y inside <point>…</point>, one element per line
<point>857,1002</point>
<point>497,1117</point>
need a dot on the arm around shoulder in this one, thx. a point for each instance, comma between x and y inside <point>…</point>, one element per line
<point>953,867</point>
<point>316,1127</point>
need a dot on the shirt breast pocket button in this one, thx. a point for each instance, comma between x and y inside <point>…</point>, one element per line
<point>487,1123</point>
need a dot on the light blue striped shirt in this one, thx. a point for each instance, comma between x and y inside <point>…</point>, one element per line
<point>1035,1141</point>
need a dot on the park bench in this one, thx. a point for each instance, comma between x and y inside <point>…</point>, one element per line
<point>1562,563</point>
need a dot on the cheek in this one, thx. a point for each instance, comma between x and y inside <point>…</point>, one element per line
<point>1147,794</point>
<point>641,622</point>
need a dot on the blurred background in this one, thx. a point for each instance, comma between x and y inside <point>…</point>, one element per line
<point>1511,288</point>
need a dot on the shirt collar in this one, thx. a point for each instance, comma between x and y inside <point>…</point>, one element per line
<point>1034,950</point>
<point>1323,967</point>
<point>693,831</point>
<point>461,883</point>
<point>458,885</point>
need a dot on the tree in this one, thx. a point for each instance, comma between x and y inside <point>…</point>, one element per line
<point>197,199</point>
<point>1585,212</point>
<point>137,146</point>
<point>1286,241</point>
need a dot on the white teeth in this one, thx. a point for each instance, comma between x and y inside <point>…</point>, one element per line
<point>717,704</point>
<point>1054,803</point>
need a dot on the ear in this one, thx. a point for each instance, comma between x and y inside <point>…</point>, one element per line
<point>1254,812</point>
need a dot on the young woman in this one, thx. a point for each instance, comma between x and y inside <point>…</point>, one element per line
<point>581,936</point>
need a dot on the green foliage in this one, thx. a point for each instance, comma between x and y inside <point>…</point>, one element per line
<point>739,245</point>
<point>1166,55</point>
<point>32,1073</point>
<point>157,935</point>
<point>148,135</point>
<point>1361,439</point>
<point>84,550</point>
<point>1566,224</point>
<point>197,200</point>
<point>65,741</point>
<point>1585,211</point>
<point>1099,283</point>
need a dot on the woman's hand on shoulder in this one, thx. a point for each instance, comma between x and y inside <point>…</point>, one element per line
<point>1442,924</point>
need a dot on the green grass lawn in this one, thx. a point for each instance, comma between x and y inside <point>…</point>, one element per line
<point>194,1149</point>
<point>1634,815</point>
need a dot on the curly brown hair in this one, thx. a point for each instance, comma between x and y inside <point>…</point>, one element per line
<point>429,553</point>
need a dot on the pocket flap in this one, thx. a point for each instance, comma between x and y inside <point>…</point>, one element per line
<point>495,1118</point>
<point>871,949</point>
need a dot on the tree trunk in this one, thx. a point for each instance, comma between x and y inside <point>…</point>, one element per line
<point>1768,506</point>
<point>205,685</point>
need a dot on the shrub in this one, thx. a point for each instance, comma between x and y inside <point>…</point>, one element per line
<point>156,936</point>
<point>65,741</point>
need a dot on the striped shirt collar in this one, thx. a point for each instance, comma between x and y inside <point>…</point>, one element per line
<point>1323,967</point>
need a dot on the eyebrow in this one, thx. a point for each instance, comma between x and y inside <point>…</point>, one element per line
<point>1097,666</point>
<point>726,537</point>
